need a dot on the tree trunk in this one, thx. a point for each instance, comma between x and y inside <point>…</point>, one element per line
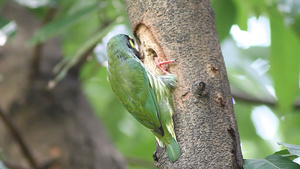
<point>204,118</point>
<point>58,126</point>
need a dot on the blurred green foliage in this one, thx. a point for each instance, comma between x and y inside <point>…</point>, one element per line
<point>281,64</point>
<point>255,72</point>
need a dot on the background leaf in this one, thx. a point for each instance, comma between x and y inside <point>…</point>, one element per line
<point>284,61</point>
<point>293,149</point>
<point>65,66</point>
<point>270,162</point>
<point>62,24</point>
<point>243,12</point>
<point>225,15</point>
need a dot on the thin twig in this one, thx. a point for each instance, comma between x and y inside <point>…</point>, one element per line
<point>84,57</point>
<point>19,139</point>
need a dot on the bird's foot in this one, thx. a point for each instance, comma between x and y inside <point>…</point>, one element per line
<point>158,64</point>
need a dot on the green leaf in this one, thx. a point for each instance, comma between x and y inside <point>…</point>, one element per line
<point>66,65</point>
<point>225,15</point>
<point>285,61</point>
<point>286,154</point>
<point>296,25</point>
<point>293,149</point>
<point>62,24</point>
<point>270,162</point>
<point>243,11</point>
<point>257,6</point>
<point>290,127</point>
<point>282,152</point>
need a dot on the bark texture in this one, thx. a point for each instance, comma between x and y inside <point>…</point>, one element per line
<point>58,126</point>
<point>205,123</point>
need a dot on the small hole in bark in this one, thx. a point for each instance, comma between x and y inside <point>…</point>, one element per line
<point>185,95</point>
<point>151,53</point>
<point>213,69</point>
<point>221,100</point>
<point>199,88</point>
<point>231,133</point>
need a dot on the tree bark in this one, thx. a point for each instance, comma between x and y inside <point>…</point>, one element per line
<point>57,126</point>
<point>204,118</point>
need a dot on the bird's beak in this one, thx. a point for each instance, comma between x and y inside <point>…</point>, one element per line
<point>137,53</point>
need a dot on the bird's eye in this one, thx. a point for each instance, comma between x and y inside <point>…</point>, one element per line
<point>131,41</point>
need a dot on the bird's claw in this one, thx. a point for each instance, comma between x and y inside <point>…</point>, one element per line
<point>158,64</point>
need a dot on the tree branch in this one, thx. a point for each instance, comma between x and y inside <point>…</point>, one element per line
<point>19,139</point>
<point>204,119</point>
<point>238,95</point>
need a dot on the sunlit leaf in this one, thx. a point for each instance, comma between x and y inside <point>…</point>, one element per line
<point>62,24</point>
<point>270,162</point>
<point>285,61</point>
<point>293,149</point>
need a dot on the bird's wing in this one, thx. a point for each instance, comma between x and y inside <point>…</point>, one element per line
<point>136,93</point>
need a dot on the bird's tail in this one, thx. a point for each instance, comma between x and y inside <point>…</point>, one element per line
<point>173,150</point>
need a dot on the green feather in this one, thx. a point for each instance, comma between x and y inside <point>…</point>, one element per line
<point>173,150</point>
<point>148,98</point>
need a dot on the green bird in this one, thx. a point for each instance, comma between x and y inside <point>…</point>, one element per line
<point>147,97</point>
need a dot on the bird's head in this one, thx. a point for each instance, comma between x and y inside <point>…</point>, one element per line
<point>123,46</point>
